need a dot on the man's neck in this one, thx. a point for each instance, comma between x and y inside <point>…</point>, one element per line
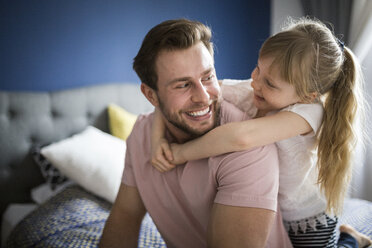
<point>174,134</point>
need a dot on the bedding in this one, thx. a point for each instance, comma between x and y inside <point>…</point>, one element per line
<point>12,216</point>
<point>52,175</point>
<point>92,159</point>
<point>76,213</point>
<point>31,118</point>
<point>121,121</point>
<point>358,213</point>
<point>73,218</point>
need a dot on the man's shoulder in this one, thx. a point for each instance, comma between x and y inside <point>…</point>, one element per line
<point>248,178</point>
<point>142,126</point>
<point>266,155</point>
<point>144,118</point>
<point>230,113</point>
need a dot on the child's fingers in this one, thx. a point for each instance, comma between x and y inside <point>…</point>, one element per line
<point>158,166</point>
<point>165,163</point>
<point>161,164</point>
<point>167,151</point>
<point>160,158</point>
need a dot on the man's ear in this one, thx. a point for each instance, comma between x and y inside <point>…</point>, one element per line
<point>150,94</point>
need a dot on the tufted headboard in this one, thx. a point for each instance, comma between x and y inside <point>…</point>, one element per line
<point>27,118</point>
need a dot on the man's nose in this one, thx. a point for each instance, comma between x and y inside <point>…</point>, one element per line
<point>200,93</point>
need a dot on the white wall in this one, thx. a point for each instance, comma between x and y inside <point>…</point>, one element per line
<point>363,173</point>
<point>281,9</point>
<point>367,70</point>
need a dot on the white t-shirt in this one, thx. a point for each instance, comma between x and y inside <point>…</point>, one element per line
<point>299,193</point>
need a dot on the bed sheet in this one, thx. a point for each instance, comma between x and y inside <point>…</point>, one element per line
<point>72,218</point>
<point>75,218</point>
<point>12,216</point>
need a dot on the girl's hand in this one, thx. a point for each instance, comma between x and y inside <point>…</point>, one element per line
<point>161,156</point>
<point>177,154</point>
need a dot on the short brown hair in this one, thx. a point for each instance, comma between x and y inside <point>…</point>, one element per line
<point>168,35</point>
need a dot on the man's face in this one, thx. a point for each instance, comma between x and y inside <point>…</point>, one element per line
<point>188,93</point>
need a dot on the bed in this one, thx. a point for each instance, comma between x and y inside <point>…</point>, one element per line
<point>59,173</point>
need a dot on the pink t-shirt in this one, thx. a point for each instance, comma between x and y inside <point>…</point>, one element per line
<point>179,201</point>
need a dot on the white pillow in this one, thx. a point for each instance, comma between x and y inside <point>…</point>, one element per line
<point>92,158</point>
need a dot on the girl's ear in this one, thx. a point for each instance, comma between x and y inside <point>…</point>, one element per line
<point>311,97</point>
<point>150,94</point>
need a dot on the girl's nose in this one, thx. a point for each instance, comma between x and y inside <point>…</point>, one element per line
<point>254,85</point>
<point>254,76</point>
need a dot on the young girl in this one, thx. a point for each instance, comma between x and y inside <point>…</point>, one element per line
<point>305,95</point>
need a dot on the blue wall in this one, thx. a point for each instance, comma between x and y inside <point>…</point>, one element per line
<point>53,44</point>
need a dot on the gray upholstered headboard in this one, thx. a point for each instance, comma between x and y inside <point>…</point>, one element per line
<point>27,118</point>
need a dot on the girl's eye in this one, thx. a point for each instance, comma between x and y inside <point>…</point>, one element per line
<point>270,84</point>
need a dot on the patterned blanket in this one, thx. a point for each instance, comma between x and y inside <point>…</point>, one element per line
<point>75,218</point>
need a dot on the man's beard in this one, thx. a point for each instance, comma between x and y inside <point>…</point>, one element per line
<point>176,121</point>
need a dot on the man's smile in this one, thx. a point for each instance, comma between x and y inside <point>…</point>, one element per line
<point>199,113</point>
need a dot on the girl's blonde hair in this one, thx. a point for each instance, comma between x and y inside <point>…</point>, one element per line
<point>311,58</point>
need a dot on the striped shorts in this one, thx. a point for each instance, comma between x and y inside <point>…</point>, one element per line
<point>317,231</point>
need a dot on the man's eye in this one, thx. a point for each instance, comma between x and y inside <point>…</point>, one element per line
<point>181,86</point>
<point>208,78</point>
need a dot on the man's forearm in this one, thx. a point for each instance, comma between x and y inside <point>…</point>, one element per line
<point>123,225</point>
<point>239,226</point>
<point>120,232</point>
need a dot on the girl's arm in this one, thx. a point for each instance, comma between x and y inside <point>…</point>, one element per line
<point>238,136</point>
<point>160,150</point>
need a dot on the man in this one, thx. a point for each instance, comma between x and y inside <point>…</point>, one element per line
<point>224,201</point>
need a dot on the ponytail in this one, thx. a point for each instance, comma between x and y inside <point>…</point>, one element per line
<point>337,138</point>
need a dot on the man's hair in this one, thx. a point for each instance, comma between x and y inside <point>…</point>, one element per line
<point>168,35</point>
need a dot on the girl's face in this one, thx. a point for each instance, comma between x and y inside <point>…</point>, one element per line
<point>270,91</point>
